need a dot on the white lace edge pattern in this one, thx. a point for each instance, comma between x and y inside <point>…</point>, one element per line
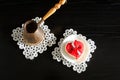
<point>76,67</point>
<point>31,51</point>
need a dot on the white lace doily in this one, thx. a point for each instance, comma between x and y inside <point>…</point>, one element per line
<point>76,66</point>
<point>31,52</point>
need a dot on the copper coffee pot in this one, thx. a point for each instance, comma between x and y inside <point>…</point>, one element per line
<point>33,34</point>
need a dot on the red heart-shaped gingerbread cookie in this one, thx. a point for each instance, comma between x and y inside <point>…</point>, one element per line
<point>75,48</point>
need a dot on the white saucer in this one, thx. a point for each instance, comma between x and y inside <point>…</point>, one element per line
<point>70,58</point>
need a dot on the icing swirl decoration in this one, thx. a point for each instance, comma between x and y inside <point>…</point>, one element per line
<point>75,48</point>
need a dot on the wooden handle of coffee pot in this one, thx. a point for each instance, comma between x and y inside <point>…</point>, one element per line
<point>53,10</point>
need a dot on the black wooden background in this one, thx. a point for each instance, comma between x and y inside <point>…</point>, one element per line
<point>96,19</point>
